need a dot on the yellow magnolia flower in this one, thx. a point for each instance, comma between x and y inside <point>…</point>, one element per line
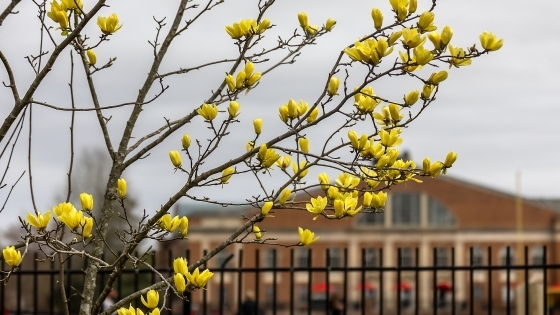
<point>438,77</point>
<point>284,112</point>
<point>245,27</point>
<point>183,226</point>
<point>63,208</point>
<point>316,206</point>
<point>426,22</point>
<point>257,124</point>
<point>180,266</point>
<point>233,109</point>
<point>347,206</point>
<point>490,42</point>
<point>110,24</point>
<point>366,100</point>
<point>458,56</point>
<point>208,111</point>
<point>186,141</point>
<point>446,35</point>
<point>284,162</point>
<point>92,58</point>
<point>370,177</point>
<point>250,146</point>
<point>426,165</point>
<point>267,157</point>
<point>12,256</point>
<point>313,115</point>
<point>427,91</point>
<point>58,15</point>
<point>301,171</point>
<point>284,196</point>
<point>441,41</point>
<point>263,26</point>
<point>199,279</point>
<point>266,208</point>
<point>155,311</point>
<point>347,181</point>
<point>435,169</point>
<point>121,188</point>
<point>303,20</point>
<point>303,144</point>
<point>400,8</point>
<point>180,283</point>
<point>394,37</point>
<point>378,200</point>
<point>166,223</point>
<point>333,193</point>
<point>306,237</point>
<point>390,139</point>
<point>412,6</point>
<point>333,86</point>
<point>72,218</point>
<point>324,181</point>
<point>366,203</point>
<point>411,37</point>
<point>87,226</point>
<point>377,17</point>
<point>87,201</point>
<point>72,5</point>
<point>353,136</point>
<point>330,24</point>
<point>450,159</point>
<point>411,98</point>
<point>175,157</point>
<point>257,231</point>
<point>395,112</point>
<point>152,299</point>
<point>226,175</point>
<point>295,110</point>
<point>370,50</point>
<point>422,55</point>
<point>230,81</point>
<point>40,222</point>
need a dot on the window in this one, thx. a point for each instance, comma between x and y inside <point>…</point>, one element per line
<point>270,293</point>
<point>442,258</point>
<point>438,214</point>
<point>302,258</point>
<point>222,257</point>
<point>504,259</point>
<point>478,292</point>
<point>371,257</point>
<point>406,208</point>
<point>335,257</point>
<point>302,294</point>
<point>407,257</point>
<point>371,219</point>
<point>477,256</point>
<point>537,255</point>
<point>505,293</point>
<point>269,258</point>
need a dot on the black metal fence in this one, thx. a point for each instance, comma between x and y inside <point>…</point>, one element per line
<point>369,288</point>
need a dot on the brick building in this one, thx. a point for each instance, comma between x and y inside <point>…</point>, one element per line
<point>437,219</point>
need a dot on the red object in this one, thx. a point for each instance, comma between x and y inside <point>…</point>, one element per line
<point>321,287</point>
<point>404,286</point>
<point>444,286</point>
<point>365,286</point>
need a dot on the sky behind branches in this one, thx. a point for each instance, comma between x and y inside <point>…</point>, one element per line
<point>500,114</point>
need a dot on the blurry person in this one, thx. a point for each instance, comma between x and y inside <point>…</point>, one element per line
<point>249,306</point>
<point>110,300</point>
<point>335,304</point>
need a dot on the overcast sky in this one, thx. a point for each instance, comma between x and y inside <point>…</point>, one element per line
<point>500,114</point>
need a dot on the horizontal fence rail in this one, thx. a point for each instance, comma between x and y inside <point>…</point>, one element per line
<point>305,281</point>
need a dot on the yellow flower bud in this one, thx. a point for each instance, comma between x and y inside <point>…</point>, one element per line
<point>490,42</point>
<point>263,26</point>
<point>330,24</point>
<point>254,78</point>
<point>353,136</point>
<point>109,25</point>
<point>257,231</point>
<point>249,68</point>
<point>306,237</point>
<point>304,144</point>
<point>377,17</point>
<point>208,111</point>
<point>333,86</point>
<point>284,196</point>
<point>311,30</point>
<point>250,146</point>
<point>435,39</point>
<point>411,97</point>
<point>183,226</point>
<point>412,6</point>
<point>175,158</point>
<point>266,208</point>
<point>324,181</point>
<point>435,169</point>
<point>257,124</point>
<point>180,283</point>
<point>226,175</point>
<point>446,35</point>
<point>230,82</point>
<point>422,55</point>
<point>450,159</point>
<point>87,226</point>
<point>313,115</point>
<point>427,91</point>
<point>438,77</point>
<point>301,170</point>
<point>11,256</point>
<point>394,37</point>
<point>121,188</point>
<point>284,113</point>
<point>303,21</point>
<point>186,141</point>
<point>87,201</point>
<point>180,266</point>
<point>426,164</point>
<point>367,199</point>
<point>152,299</point>
<point>92,58</point>
<point>426,22</point>
<point>240,80</point>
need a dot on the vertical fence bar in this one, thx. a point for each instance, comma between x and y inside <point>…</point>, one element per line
<point>363,280</point>
<point>381,281</point>
<point>18,290</point>
<point>434,279</point>
<point>274,282</point>
<point>328,280</point>
<point>3,289</point>
<point>187,304</point>
<point>453,281</point>
<point>35,284</point>
<point>416,281</point>
<point>239,280</point>
<point>399,258</point>
<point>204,292</point>
<point>508,281</point>
<point>526,267</point>
<point>345,282</point>
<point>52,273</point>
<point>309,281</point>
<point>257,280</point>
<point>292,263</point>
<point>489,280</point>
<point>545,282</point>
<point>68,273</point>
<point>221,294</point>
<point>471,281</point>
